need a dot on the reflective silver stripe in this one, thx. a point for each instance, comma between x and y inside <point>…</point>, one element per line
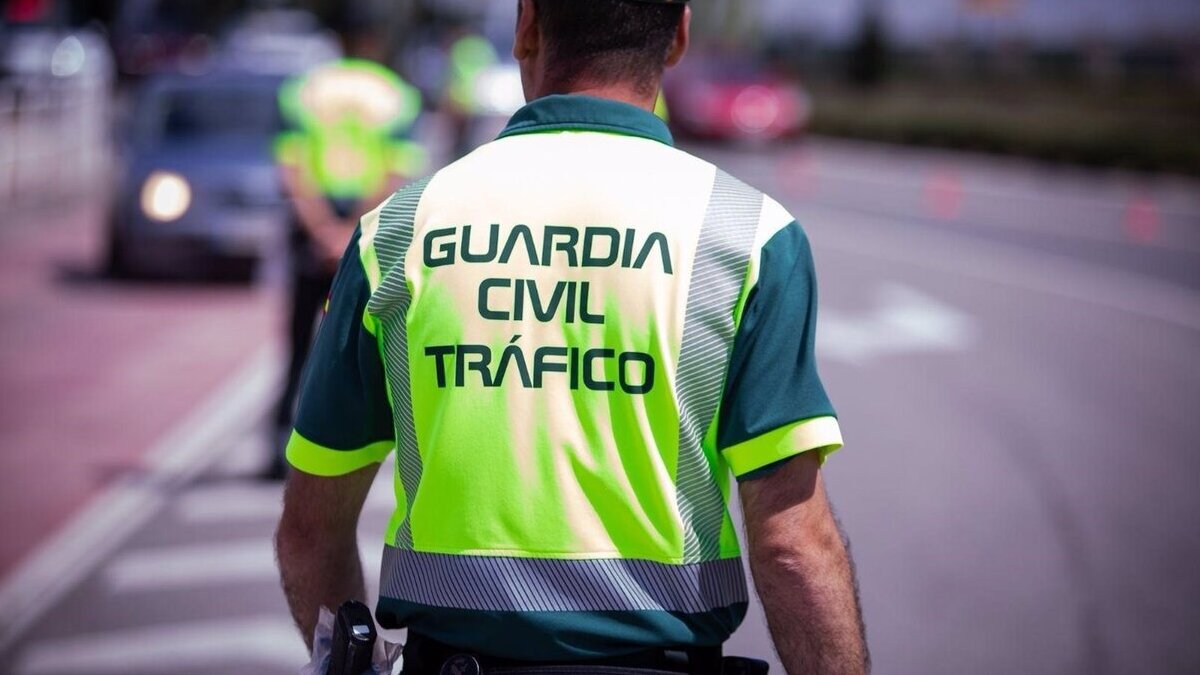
<point>389,304</point>
<point>498,584</point>
<point>719,270</point>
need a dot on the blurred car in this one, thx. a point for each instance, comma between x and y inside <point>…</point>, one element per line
<point>732,99</point>
<point>200,194</point>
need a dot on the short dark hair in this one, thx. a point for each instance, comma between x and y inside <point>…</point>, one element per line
<point>606,41</point>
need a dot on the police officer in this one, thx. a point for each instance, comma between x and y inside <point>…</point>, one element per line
<point>344,149</point>
<point>571,339</point>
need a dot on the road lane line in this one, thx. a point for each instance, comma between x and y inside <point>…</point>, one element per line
<point>893,239</point>
<point>211,564</point>
<point>107,521</point>
<point>904,321</point>
<point>210,646</point>
<point>241,502</point>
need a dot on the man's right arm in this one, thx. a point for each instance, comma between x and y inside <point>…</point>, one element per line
<point>316,543</point>
<point>343,431</point>
<point>803,572</point>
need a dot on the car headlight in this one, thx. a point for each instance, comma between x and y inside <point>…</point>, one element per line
<point>166,196</point>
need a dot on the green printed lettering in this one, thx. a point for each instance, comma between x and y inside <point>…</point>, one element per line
<point>493,244</point>
<point>484,306</point>
<point>445,248</point>
<point>440,353</point>
<point>590,235</point>
<point>519,232</point>
<point>585,314</point>
<point>574,361</point>
<point>544,313</point>
<point>541,366</point>
<point>589,369</point>
<point>549,246</point>
<point>512,354</point>
<point>647,362</point>
<point>627,249</point>
<point>462,364</point>
<point>648,247</point>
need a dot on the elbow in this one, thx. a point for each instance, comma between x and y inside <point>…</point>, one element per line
<point>800,550</point>
<point>298,536</point>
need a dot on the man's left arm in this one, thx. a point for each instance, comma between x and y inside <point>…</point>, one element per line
<point>777,426</point>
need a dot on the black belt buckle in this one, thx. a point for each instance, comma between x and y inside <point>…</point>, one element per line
<point>461,664</point>
<point>739,665</point>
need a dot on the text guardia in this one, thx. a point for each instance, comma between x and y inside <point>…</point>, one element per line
<point>515,300</point>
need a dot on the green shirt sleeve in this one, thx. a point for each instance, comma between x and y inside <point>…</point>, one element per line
<point>344,420</point>
<point>775,406</point>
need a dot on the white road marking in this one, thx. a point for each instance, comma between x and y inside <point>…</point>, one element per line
<point>107,521</point>
<point>242,502</point>
<point>209,645</point>
<point>895,240</point>
<point>906,321</point>
<point>212,564</point>
<point>230,502</point>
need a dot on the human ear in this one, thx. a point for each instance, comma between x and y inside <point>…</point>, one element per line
<point>528,36</point>
<point>682,38</point>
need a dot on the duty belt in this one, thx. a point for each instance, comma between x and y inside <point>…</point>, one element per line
<point>424,656</point>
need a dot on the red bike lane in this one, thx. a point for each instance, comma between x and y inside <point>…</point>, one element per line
<point>94,372</point>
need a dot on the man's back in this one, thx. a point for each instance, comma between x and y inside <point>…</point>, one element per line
<point>556,315</point>
<point>572,338</point>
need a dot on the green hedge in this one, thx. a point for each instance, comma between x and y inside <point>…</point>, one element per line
<point>1155,130</point>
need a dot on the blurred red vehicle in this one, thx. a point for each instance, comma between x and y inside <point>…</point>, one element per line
<point>732,99</point>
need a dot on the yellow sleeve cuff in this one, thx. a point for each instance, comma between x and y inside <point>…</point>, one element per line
<point>321,461</point>
<point>818,433</point>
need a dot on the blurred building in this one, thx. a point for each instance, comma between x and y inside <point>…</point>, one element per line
<point>1047,22</point>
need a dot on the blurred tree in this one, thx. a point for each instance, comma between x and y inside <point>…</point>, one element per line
<point>868,57</point>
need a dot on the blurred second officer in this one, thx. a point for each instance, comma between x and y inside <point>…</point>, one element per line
<point>344,149</point>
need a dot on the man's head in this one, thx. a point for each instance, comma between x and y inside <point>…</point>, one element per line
<point>618,46</point>
<point>361,31</point>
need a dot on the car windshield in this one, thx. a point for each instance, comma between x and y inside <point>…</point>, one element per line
<point>208,112</point>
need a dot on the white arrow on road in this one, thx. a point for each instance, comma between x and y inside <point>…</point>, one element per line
<point>904,321</point>
<point>210,646</point>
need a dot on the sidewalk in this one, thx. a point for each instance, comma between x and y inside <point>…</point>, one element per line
<point>92,372</point>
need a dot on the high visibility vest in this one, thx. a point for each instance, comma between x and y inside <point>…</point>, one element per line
<point>571,340</point>
<point>345,127</point>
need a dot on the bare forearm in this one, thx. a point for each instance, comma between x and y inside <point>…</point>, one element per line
<point>803,572</point>
<point>316,576</point>
<point>313,212</point>
<point>317,544</point>
<point>812,610</point>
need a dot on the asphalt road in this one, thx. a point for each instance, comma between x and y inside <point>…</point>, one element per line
<point>1013,351</point>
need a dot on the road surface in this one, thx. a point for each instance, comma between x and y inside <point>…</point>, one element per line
<point>1014,351</point>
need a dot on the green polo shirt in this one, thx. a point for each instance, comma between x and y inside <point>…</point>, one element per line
<point>572,338</point>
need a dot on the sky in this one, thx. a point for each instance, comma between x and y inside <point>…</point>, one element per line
<point>1040,20</point>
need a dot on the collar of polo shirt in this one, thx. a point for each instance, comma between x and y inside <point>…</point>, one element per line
<point>577,112</point>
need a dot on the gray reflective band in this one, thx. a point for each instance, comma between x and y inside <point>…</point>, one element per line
<point>495,584</point>
<point>718,273</point>
<point>389,304</point>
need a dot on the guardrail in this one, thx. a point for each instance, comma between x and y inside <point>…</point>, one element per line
<point>54,137</point>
